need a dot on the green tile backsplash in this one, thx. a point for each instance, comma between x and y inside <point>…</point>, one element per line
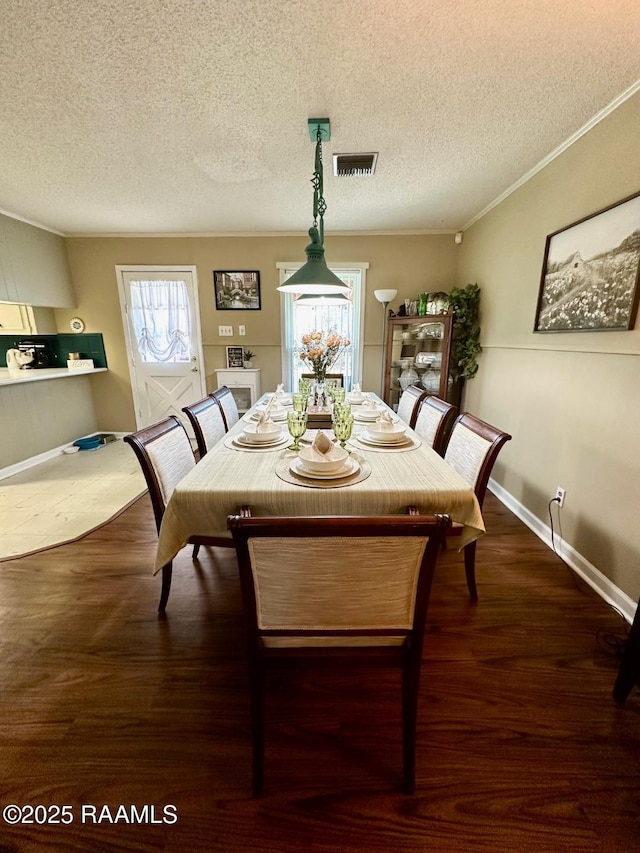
<point>89,345</point>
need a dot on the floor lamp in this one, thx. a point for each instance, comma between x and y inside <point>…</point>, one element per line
<point>384,296</point>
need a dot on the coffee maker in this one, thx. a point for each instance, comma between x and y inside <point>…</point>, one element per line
<point>41,354</point>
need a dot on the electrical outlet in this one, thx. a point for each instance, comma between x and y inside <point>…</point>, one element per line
<point>225,331</point>
<point>242,330</point>
<point>559,498</point>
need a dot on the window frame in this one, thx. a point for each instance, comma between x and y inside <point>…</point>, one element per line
<point>286,308</point>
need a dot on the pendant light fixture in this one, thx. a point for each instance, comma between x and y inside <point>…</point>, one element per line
<point>315,277</point>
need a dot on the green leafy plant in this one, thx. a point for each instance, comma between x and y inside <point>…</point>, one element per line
<point>248,355</point>
<point>465,347</point>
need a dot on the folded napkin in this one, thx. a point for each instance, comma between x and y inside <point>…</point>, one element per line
<point>369,403</point>
<point>385,422</point>
<point>322,446</point>
<point>265,424</point>
<point>279,392</point>
<point>356,390</point>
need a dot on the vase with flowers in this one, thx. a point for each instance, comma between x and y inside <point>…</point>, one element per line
<point>319,351</point>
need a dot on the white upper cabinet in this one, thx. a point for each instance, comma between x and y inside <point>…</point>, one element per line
<point>33,266</point>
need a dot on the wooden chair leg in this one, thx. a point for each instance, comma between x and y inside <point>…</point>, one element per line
<point>410,681</point>
<point>629,671</point>
<point>196,549</point>
<point>167,571</point>
<point>470,569</point>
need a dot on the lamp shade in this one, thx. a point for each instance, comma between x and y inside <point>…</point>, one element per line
<point>385,295</point>
<point>315,276</point>
<point>323,299</point>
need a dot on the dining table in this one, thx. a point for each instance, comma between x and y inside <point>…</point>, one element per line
<point>387,481</point>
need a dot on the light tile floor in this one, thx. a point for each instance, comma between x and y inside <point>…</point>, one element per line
<point>66,497</point>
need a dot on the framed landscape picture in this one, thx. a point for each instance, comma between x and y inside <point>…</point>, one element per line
<point>590,272</point>
<point>237,290</point>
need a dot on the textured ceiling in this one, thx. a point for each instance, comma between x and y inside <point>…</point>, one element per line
<point>191,115</point>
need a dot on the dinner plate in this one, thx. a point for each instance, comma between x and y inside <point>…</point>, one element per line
<point>355,401</point>
<point>240,441</point>
<point>351,466</point>
<point>367,414</point>
<point>275,416</point>
<point>284,399</point>
<point>365,439</point>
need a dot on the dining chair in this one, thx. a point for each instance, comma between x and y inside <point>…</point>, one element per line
<point>208,422</point>
<point>339,377</point>
<point>472,450</point>
<point>165,455</point>
<point>409,403</point>
<point>227,403</point>
<point>308,590</point>
<point>433,422</point>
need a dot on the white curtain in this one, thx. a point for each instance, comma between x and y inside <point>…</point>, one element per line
<point>161,320</point>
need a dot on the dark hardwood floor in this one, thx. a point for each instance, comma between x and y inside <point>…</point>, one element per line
<point>521,746</point>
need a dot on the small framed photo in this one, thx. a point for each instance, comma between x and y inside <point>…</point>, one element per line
<point>237,290</point>
<point>591,272</point>
<point>235,356</point>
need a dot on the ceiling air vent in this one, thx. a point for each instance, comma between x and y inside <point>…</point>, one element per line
<point>354,164</point>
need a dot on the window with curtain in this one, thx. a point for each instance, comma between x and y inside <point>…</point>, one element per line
<point>161,320</point>
<point>299,318</point>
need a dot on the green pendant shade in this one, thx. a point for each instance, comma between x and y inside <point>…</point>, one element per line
<point>315,277</point>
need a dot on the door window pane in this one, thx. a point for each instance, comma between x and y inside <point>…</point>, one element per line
<point>161,320</point>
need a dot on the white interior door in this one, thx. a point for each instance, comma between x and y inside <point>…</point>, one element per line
<point>162,329</point>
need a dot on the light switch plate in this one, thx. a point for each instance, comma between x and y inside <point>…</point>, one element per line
<point>225,331</point>
<point>242,330</point>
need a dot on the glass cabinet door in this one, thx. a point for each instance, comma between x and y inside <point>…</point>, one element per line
<point>418,354</point>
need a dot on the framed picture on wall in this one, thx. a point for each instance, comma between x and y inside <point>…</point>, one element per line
<point>591,271</point>
<point>235,356</point>
<point>237,290</point>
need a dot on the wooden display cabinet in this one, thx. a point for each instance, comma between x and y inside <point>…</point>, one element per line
<point>418,344</point>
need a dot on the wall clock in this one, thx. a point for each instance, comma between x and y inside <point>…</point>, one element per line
<point>76,324</point>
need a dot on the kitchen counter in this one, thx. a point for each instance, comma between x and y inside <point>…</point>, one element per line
<point>17,376</point>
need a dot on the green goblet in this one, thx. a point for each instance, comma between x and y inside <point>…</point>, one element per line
<point>304,387</point>
<point>297,424</point>
<point>300,402</point>
<point>341,408</point>
<point>338,395</point>
<point>342,428</point>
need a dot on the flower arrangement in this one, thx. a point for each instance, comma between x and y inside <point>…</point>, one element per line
<point>320,350</point>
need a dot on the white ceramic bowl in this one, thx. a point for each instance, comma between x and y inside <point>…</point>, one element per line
<point>396,433</point>
<point>334,460</point>
<point>263,436</point>
<point>367,414</point>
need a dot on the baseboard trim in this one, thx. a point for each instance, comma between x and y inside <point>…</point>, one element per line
<point>32,461</point>
<point>605,588</point>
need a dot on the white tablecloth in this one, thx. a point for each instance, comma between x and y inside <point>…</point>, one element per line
<point>226,479</point>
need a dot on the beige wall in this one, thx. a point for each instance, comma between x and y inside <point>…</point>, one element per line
<point>408,263</point>
<point>571,401</point>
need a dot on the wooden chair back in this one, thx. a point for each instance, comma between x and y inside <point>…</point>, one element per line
<point>410,403</point>
<point>330,585</point>
<point>473,449</point>
<point>339,377</point>
<point>227,403</point>
<point>208,422</point>
<point>165,455</point>
<point>433,421</point>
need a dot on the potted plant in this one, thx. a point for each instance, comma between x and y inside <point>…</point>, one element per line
<point>465,344</point>
<point>248,356</point>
